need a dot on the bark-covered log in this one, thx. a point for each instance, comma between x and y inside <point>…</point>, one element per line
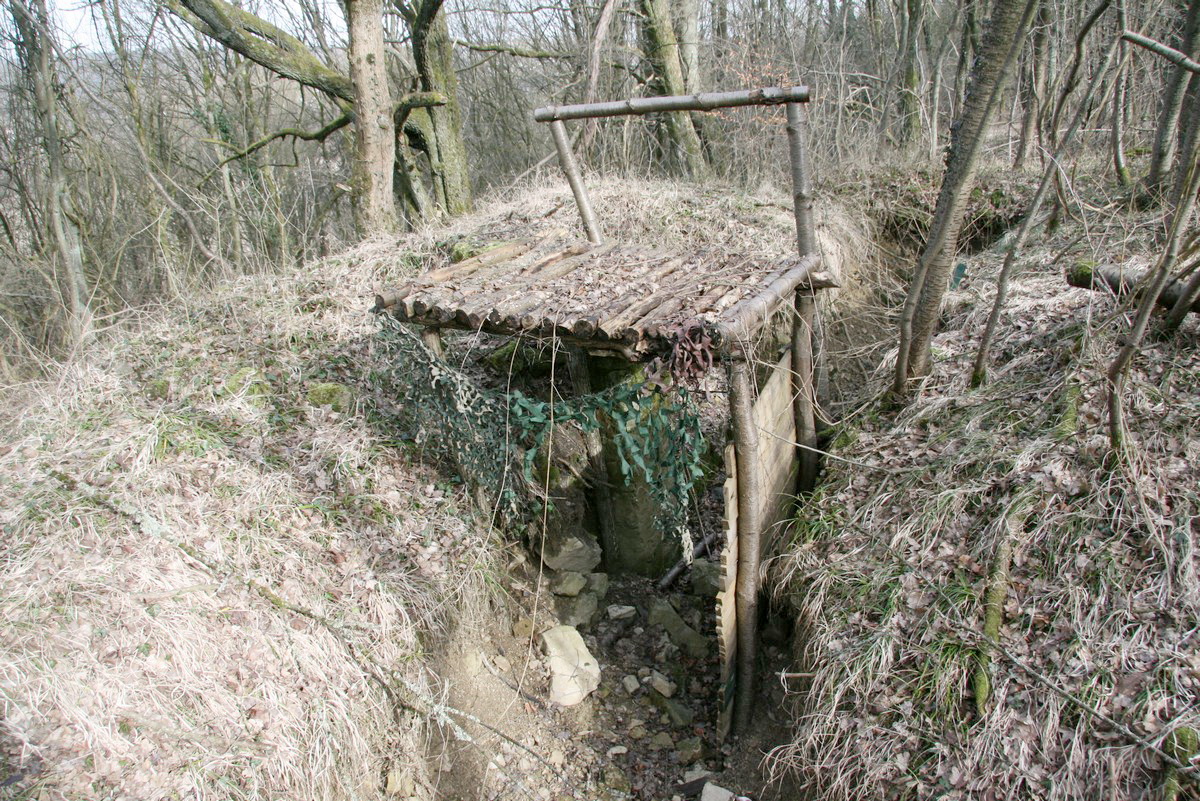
<point>1122,282</point>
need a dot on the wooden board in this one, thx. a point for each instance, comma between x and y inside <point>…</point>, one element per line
<point>727,602</point>
<point>776,423</point>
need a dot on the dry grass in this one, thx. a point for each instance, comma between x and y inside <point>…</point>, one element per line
<point>162,496</point>
<point>891,561</point>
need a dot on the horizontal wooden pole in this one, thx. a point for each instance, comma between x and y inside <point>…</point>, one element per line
<point>708,101</point>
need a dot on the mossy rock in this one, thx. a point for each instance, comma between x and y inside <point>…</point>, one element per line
<point>158,389</point>
<point>337,397</point>
<point>250,383</point>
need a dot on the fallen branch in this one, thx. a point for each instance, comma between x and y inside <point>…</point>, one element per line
<point>1123,283</point>
<point>675,572</point>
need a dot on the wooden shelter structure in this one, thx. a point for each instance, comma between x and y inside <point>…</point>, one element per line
<point>637,303</point>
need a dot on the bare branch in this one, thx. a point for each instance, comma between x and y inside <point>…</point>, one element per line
<point>512,50</point>
<point>1169,53</point>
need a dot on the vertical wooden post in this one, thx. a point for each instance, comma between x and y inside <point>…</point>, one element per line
<point>803,405</point>
<point>566,160</point>
<point>749,525</point>
<point>581,383</point>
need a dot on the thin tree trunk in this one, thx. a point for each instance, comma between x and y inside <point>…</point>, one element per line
<point>967,48</point>
<point>35,51</point>
<point>1002,43</point>
<point>1118,372</point>
<point>1034,87</point>
<point>663,54</point>
<point>1162,156</point>
<point>908,99</point>
<point>442,125</point>
<point>979,372</point>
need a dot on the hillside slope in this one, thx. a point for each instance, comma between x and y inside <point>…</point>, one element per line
<point>990,603</point>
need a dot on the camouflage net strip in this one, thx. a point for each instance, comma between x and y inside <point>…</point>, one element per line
<point>494,438</point>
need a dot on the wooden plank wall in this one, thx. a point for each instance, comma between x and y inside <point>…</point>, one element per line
<point>776,424</point>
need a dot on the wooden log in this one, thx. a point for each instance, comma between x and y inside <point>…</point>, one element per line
<point>803,325</point>
<point>472,265</point>
<point>432,338</point>
<point>1123,282</point>
<point>745,438</point>
<point>633,304</point>
<point>497,303</point>
<point>700,102</point>
<point>744,319</point>
<point>389,298</point>
<point>566,160</point>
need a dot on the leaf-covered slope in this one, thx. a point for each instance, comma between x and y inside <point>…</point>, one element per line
<point>991,606</point>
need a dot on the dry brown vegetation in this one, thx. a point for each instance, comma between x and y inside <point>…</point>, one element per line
<point>992,604</point>
<point>212,553</point>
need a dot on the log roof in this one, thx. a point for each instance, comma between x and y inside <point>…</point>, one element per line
<point>610,297</point>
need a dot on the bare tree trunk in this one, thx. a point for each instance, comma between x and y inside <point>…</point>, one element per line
<point>689,44</point>
<point>1185,201</point>
<point>441,126</point>
<point>374,130</point>
<point>967,49</point>
<point>1162,156</point>
<point>1002,43</point>
<point>1034,86</point>
<point>35,51</point>
<point>663,54</point>
<point>908,98</point>
<point>979,372</point>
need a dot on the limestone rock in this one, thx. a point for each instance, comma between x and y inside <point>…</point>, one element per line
<point>631,684</point>
<point>683,635</point>
<point>618,612</point>
<point>662,685</point>
<point>690,750</point>
<point>578,610</point>
<point>615,779</point>
<point>570,550</point>
<point>712,792</point>
<point>679,714</point>
<point>569,583</point>
<point>574,672</point>
<point>598,583</point>
<point>661,741</point>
